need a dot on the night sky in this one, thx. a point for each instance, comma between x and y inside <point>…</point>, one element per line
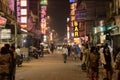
<point>58,10</point>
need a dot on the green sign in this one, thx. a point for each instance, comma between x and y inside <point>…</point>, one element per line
<point>112,28</point>
<point>43,2</point>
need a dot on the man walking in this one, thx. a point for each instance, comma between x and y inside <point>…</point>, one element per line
<point>77,52</point>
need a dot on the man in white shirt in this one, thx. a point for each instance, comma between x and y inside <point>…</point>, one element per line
<point>65,53</point>
<point>18,51</point>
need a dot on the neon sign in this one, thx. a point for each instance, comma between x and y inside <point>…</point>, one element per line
<point>43,19</point>
<point>3,21</point>
<point>76,28</point>
<point>71,1</point>
<point>43,2</point>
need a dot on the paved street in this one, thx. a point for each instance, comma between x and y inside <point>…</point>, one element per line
<point>51,67</point>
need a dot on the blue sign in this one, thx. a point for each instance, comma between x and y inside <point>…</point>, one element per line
<point>71,1</point>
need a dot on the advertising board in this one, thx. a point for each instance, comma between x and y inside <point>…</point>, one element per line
<point>3,21</point>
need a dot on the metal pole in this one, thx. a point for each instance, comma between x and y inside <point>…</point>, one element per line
<point>16,34</point>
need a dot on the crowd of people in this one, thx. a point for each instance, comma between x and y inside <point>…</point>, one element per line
<point>93,57</point>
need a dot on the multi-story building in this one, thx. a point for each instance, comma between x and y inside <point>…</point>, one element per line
<point>114,16</point>
<point>89,15</point>
<point>7,20</point>
<point>97,10</point>
<point>39,18</point>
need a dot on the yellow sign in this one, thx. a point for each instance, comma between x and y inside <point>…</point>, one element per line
<point>77,40</point>
<point>76,29</point>
<point>75,23</point>
<point>76,34</point>
<point>102,38</point>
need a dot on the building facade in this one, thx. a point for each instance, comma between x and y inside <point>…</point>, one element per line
<point>90,12</point>
<point>7,12</point>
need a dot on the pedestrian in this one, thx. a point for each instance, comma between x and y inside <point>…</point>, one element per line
<point>41,50</point>
<point>52,47</point>
<point>93,64</point>
<point>19,58</point>
<point>85,56</point>
<point>30,51</point>
<point>13,64</point>
<point>72,52</point>
<point>107,61</point>
<point>69,50</point>
<point>65,53</point>
<point>117,62</point>
<point>82,50</point>
<point>18,51</point>
<point>7,46</point>
<point>5,64</point>
<point>77,52</point>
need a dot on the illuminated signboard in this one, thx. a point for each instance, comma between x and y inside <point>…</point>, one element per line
<point>72,6</point>
<point>3,22</point>
<point>102,38</point>
<point>24,19</point>
<point>23,11</point>
<point>51,36</point>
<point>43,2</point>
<point>18,11</point>
<point>71,1</point>
<point>76,29</point>
<point>68,32</point>
<point>23,3</point>
<point>5,34</point>
<point>43,19</point>
<point>77,40</point>
<point>23,25</point>
<point>72,18</point>
<point>72,13</point>
<point>45,38</point>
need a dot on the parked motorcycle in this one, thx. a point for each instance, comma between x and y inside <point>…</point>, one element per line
<point>35,54</point>
<point>19,60</point>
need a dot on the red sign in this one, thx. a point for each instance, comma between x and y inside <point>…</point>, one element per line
<point>2,22</point>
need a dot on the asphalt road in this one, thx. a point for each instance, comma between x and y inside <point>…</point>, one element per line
<point>51,67</point>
